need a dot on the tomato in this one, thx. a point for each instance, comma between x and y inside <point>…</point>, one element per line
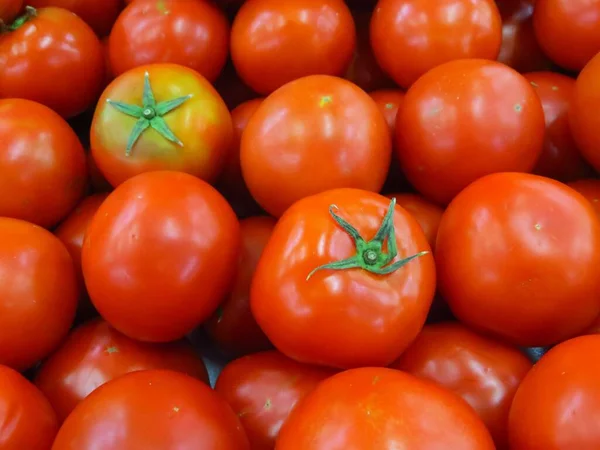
<point>583,120</point>
<point>9,9</point>
<point>466,119</point>
<point>28,421</point>
<point>280,163</point>
<point>594,328</point>
<point>520,49</point>
<point>325,296</point>
<point>534,245</point>
<point>194,34</point>
<point>410,37</point>
<point>426,213</point>
<point>568,31</point>
<point>376,408</point>
<point>41,161</point>
<point>590,189</point>
<point>160,117</point>
<point>232,327</point>
<point>38,306</point>
<point>263,389</point>
<point>157,409</point>
<point>484,372</point>
<point>97,348</point>
<point>160,254</point>
<point>108,72</point>
<point>54,58</point>
<point>556,406</point>
<point>99,15</point>
<point>275,42</point>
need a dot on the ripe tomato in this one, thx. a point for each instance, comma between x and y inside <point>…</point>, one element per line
<point>426,213</point>
<point>160,117</point>
<point>263,389</point>
<point>484,372</point>
<point>410,37</point>
<point>534,244</point>
<point>232,327</point>
<point>568,31</point>
<point>97,348</point>
<point>9,9</point>
<point>361,305</point>
<point>590,189</point>
<point>466,119</point>
<point>376,408</point>
<point>53,58</point>
<point>194,34</point>
<point>281,164</point>
<point>41,161</point>
<point>152,409</point>
<point>99,15</point>
<point>28,421</point>
<point>275,42</point>
<point>38,297</point>
<point>556,406</point>
<point>160,254</point>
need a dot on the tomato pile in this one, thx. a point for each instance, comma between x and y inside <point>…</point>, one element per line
<point>299,224</point>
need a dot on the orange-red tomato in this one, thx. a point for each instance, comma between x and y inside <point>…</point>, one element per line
<point>332,135</point>
<point>410,37</point>
<point>590,189</point>
<point>9,9</point>
<point>484,372</point>
<point>426,213</point>
<point>263,389</point>
<point>274,42</point>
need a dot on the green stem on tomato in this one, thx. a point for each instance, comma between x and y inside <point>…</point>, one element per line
<point>30,13</point>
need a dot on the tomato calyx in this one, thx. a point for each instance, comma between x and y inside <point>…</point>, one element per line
<point>149,115</point>
<point>369,254</point>
<point>30,13</point>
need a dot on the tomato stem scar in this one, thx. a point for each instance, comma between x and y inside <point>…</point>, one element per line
<point>30,12</point>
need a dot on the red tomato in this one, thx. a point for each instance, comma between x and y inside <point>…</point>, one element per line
<point>41,161</point>
<point>426,213</point>
<point>568,30</point>
<point>53,58</point>
<point>410,37</point>
<point>100,15</point>
<point>594,328</point>
<point>534,244</point>
<point>160,254</point>
<point>194,34</point>
<point>263,389</point>
<point>157,409</point>
<point>275,42</point>
<point>363,306</point>
<point>9,9</point>
<point>484,372</point>
<point>232,327</point>
<point>38,306</point>
<point>376,408</point>
<point>466,119</point>
<point>556,406</point>
<point>160,117</point>
<point>590,189</point>
<point>28,421</point>
<point>97,348</point>
<point>332,135</point>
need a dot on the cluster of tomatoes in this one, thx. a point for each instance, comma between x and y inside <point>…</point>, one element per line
<point>375,212</point>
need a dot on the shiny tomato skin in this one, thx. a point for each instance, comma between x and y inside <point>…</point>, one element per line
<point>37,311</point>
<point>280,164</point>
<point>263,389</point>
<point>158,409</point>
<point>568,31</point>
<point>376,408</point>
<point>389,101</point>
<point>305,37</point>
<point>535,243</point>
<point>97,348</point>
<point>346,318</point>
<point>426,213</point>
<point>202,123</point>
<point>453,356</point>
<point>410,37</point>
<point>466,119</point>
<point>177,240</point>
<point>44,183</point>
<point>193,33</point>
<point>9,9</point>
<point>590,189</point>
<point>556,406</point>
<point>28,420</point>
<point>54,59</point>
<point>232,327</point>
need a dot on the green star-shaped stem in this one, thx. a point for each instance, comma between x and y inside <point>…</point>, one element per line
<point>369,254</point>
<point>149,115</point>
